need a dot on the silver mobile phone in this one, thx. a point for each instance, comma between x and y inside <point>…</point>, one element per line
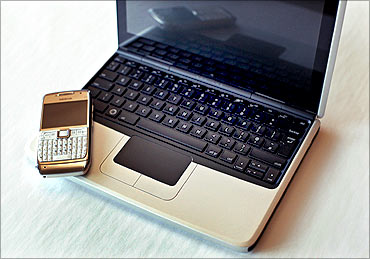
<point>65,134</point>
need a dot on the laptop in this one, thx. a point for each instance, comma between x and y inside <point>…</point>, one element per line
<point>207,108</point>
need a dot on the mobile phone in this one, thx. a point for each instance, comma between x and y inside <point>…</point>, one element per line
<point>65,134</point>
<point>183,18</point>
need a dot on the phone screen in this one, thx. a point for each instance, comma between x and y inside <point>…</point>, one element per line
<point>64,114</point>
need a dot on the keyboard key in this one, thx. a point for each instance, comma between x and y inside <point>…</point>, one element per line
<point>117,101</point>
<point>271,176</point>
<point>162,83</point>
<point>244,124</point>
<point>272,134</point>
<point>136,74</point>
<point>198,132</point>
<point>268,158</point>
<point>175,88</point>
<point>184,127</point>
<point>102,84</point>
<point>108,75</point>
<point>170,109</point>
<point>240,135</point>
<point>216,102</point>
<point>229,119</point>
<point>145,100</point>
<point>201,108</point>
<point>258,166</point>
<point>215,114</point>
<point>129,118</point>
<point>143,111</point>
<point>257,117</point>
<point>100,106</point>
<point>174,99</point>
<point>130,106</point>
<point>213,151</point>
<point>170,122</point>
<point>156,116</point>
<point>131,95</point>
<point>212,137</point>
<point>161,94</point>
<point>198,120</point>
<point>118,90</point>
<point>257,129</point>
<point>124,70</point>
<point>135,85</point>
<point>113,112</point>
<point>294,133</point>
<point>256,140</point>
<point>227,143</point>
<point>187,104</point>
<point>228,157</point>
<point>270,146</point>
<point>188,93</point>
<point>157,104</point>
<point>119,59</point>
<point>241,164</point>
<point>212,125</point>
<point>149,78</point>
<point>106,97</point>
<point>184,114</point>
<point>254,173</point>
<point>169,133</point>
<point>148,89</point>
<point>131,63</point>
<point>226,130</point>
<point>285,150</point>
<point>241,148</point>
<point>123,80</point>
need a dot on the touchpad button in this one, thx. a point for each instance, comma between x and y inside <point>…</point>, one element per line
<point>155,161</point>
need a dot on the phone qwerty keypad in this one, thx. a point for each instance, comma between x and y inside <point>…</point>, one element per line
<point>52,148</point>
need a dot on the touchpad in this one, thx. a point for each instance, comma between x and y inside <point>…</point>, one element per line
<point>155,161</point>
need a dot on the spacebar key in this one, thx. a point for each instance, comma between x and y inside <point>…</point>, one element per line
<point>171,134</point>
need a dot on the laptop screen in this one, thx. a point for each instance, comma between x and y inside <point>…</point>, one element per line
<point>278,49</point>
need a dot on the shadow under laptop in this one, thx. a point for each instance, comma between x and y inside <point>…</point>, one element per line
<point>300,191</point>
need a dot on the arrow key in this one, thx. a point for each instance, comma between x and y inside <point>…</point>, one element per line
<point>241,164</point>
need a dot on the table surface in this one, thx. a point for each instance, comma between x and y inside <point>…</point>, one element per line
<point>53,46</point>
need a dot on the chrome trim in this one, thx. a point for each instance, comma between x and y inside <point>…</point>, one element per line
<point>332,57</point>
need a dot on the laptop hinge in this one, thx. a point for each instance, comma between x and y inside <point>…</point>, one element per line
<point>254,96</point>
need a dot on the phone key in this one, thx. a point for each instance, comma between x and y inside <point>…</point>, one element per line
<point>61,157</point>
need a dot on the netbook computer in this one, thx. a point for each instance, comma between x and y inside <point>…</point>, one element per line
<point>207,108</point>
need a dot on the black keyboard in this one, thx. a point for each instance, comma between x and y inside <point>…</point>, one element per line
<point>245,70</point>
<point>236,136</point>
